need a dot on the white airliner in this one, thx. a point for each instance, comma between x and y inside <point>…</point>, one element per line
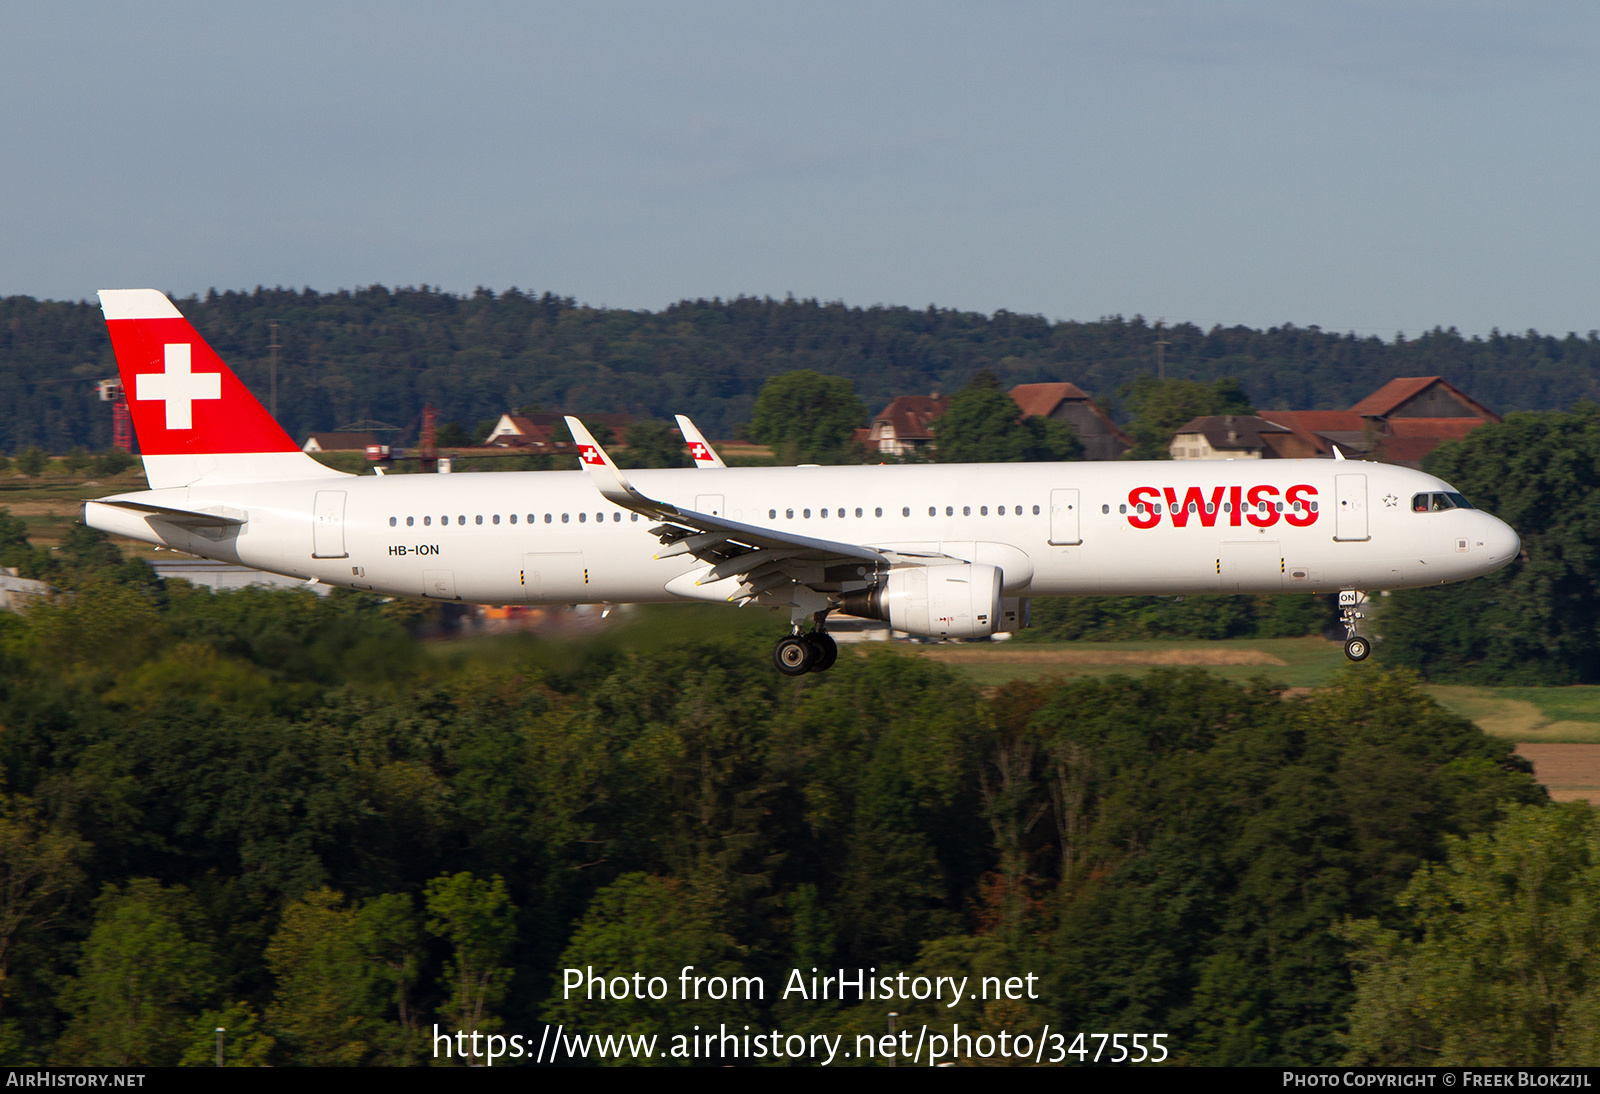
<point>940,550</point>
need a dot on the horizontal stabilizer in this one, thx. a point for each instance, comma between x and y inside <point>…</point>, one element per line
<point>186,518</point>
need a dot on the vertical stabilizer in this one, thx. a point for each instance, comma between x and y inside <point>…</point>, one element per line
<point>194,419</point>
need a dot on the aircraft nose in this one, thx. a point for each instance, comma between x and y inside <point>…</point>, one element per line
<point>1501,541</point>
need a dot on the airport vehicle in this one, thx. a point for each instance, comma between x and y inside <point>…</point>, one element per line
<point>935,550</point>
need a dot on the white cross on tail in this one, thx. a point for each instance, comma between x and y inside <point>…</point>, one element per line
<point>179,387</point>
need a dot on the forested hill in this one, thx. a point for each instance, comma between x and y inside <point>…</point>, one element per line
<point>380,353</point>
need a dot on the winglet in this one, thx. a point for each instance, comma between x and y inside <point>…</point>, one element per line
<point>704,455</point>
<point>1336,453</point>
<point>607,476</point>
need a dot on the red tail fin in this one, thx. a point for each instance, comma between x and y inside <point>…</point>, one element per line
<point>183,399</point>
<point>194,419</point>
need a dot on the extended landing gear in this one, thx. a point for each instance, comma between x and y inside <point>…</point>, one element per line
<point>1355,646</point>
<point>799,654</point>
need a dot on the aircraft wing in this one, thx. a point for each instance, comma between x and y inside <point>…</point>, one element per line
<point>761,558</point>
<point>699,448</point>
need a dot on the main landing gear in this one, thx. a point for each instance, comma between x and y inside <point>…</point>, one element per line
<point>799,653</point>
<point>1355,646</point>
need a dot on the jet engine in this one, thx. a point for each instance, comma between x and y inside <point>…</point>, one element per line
<point>956,601</point>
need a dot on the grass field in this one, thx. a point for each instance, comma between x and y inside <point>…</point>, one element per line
<point>1552,715</point>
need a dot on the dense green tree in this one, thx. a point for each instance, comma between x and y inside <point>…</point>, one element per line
<point>478,919</point>
<point>985,425</point>
<point>656,927</point>
<point>377,352</point>
<point>1537,621</point>
<point>111,462</point>
<point>653,444</point>
<point>1161,407</point>
<point>328,995</point>
<point>809,418</point>
<point>1500,965</point>
<point>32,461</point>
<point>142,974</point>
<point>1208,616</point>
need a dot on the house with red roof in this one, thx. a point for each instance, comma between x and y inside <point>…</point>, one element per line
<point>1401,423</point>
<point>1069,403</point>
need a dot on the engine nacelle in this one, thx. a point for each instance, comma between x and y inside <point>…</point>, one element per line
<point>957,601</point>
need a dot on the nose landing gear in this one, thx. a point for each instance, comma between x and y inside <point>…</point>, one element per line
<point>798,654</point>
<point>1356,648</point>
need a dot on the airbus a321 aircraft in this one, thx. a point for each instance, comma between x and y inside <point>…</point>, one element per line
<point>940,550</point>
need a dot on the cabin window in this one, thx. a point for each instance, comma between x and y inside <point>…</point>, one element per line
<point>983,510</point>
<point>932,511</point>
<point>905,511</point>
<point>1156,508</point>
<point>1280,506</point>
<point>824,513</point>
<point>772,514</point>
<point>410,521</point>
<point>426,521</point>
<point>633,518</point>
<point>616,518</point>
<point>858,512</point>
<point>1105,509</point>
<point>966,510</point>
<point>393,521</point>
<point>600,517</point>
<point>1036,510</point>
<point>1313,507</point>
<point>461,520</point>
<point>1193,508</point>
<point>949,510</point>
<point>513,518</point>
<point>480,519</point>
<point>806,513</point>
<point>1139,508</point>
<point>789,513</point>
<point>583,518</point>
<point>1211,507</point>
<point>444,520</point>
<point>548,518</point>
<point>1123,509</point>
<point>566,518</point>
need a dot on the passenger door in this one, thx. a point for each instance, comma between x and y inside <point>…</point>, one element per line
<point>327,525</point>
<point>1064,525</point>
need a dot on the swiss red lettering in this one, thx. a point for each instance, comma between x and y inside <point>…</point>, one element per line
<point>1260,505</point>
<point>1300,513</point>
<point>1136,498</point>
<point>1259,496</point>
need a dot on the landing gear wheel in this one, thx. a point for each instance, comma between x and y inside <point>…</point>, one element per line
<point>825,650</point>
<point>1357,648</point>
<point>794,655</point>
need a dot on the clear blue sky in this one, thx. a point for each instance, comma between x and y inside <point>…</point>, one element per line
<point>1367,166</point>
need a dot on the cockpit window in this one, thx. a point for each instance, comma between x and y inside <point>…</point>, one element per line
<point>1438,503</point>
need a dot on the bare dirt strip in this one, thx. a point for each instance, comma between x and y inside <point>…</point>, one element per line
<point>1568,772</point>
<point>955,655</point>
